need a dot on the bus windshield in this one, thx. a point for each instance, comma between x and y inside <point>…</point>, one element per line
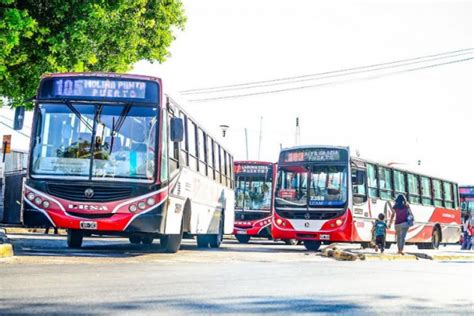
<point>312,186</point>
<point>253,193</point>
<point>83,140</point>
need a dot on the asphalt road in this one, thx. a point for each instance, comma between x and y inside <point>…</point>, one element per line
<point>110,276</point>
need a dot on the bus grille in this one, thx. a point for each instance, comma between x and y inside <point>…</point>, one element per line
<point>91,216</point>
<point>248,216</point>
<point>309,215</point>
<point>101,193</point>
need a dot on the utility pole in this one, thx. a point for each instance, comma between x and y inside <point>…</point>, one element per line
<point>260,138</point>
<point>297,131</point>
<point>246,143</point>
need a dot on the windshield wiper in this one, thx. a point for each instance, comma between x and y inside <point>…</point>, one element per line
<point>116,127</point>
<point>78,114</point>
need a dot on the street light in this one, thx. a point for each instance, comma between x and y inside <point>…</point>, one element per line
<point>224,128</point>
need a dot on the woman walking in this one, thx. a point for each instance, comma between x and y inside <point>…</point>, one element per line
<point>403,220</point>
<point>467,238</point>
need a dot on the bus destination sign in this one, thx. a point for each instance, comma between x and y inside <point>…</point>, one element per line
<point>314,155</point>
<point>254,169</point>
<point>99,87</point>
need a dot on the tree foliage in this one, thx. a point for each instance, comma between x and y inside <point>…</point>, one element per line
<point>41,36</point>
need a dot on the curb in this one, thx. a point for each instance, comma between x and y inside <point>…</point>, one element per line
<point>387,257</point>
<point>6,249</point>
<point>449,257</point>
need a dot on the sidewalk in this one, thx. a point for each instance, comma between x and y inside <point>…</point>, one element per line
<point>451,252</point>
<point>6,248</point>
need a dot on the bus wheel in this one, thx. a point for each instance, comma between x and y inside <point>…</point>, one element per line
<point>74,238</point>
<point>215,241</point>
<point>435,239</point>
<point>243,239</point>
<point>202,241</point>
<point>291,242</point>
<point>134,239</point>
<point>312,245</point>
<point>147,240</point>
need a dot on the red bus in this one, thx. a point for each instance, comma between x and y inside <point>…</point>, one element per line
<point>253,199</point>
<point>110,154</point>
<point>323,195</point>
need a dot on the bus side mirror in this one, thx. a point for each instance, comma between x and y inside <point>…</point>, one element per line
<point>19,118</point>
<point>359,177</point>
<point>176,129</point>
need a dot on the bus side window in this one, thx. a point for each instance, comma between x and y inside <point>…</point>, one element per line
<point>437,192</point>
<point>413,189</point>
<point>385,183</point>
<point>456,195</point>
<point>448,195</point>
<point>372,181</point>
<point>358,188</point>
<point>426,198</point>
<point>184,146</point>
<point>173,151</point>
<point>399,181</point>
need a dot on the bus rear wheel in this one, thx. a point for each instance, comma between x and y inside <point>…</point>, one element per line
<point>312,245</point>
<point>435,239</point>
<point>215,240</point>
<point>171,243</point>
<point>74,238</point>
<point>243,239</point>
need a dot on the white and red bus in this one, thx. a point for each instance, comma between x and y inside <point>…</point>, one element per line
<point>111,154</point>
<point>253,199</point>
<point>323,195</point>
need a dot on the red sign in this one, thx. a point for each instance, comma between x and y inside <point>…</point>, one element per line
<point>7,140</point>
<point>287,194</point>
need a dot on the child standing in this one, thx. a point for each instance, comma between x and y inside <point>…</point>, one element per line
<point>380,230</point>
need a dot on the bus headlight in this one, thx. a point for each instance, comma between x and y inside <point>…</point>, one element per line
<point>45,204</point>
<point>279,221</point>
<point>150,201</point>
<point>338,222</point>
<point>30,196</point>
<point>132,208</point>
<point>142,205</point>
<point>38,200</point>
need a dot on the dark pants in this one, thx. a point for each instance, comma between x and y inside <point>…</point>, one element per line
<point>380,242</point>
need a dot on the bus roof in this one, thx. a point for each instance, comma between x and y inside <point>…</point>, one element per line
<point>253,162</point>
<point>387,165</point>
<point>313,146</point>
<point>100,74</point>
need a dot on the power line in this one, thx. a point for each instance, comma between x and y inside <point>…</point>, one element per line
<point>329,83</point>
<point>242,85</point>
<point>21,133</point>
<point>12,120</point>
<point>338,73</point>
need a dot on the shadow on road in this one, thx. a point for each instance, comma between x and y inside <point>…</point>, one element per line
<point>233,305</point>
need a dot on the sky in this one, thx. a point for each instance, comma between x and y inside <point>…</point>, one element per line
<point>425,115</point>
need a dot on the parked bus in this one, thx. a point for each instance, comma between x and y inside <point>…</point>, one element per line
<point>110,154</point>
<point>253,199</point>
<point>323,195</point>
<point>466,196</point>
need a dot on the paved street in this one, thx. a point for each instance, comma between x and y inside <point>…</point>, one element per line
<point>112,276</point>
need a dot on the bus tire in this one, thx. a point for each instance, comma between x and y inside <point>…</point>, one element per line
<point>291,242</point>
<point>243,239</point>
<point>147,240</point>
<point>435,238</point>
<point>312,245</point>
<point>74,238</point>
<point>134,239</point>
<point>202,241</point>
<point>215,240</point>
<point>171,243</point>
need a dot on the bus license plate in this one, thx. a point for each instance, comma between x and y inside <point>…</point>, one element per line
<point>88,225</point>
<point>241,232</point>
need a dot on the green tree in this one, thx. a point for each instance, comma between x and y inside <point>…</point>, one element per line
<point>41,36</point>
